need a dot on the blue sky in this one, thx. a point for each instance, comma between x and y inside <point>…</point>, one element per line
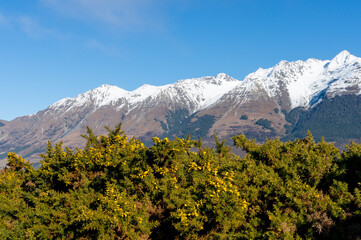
<point>51,49</point>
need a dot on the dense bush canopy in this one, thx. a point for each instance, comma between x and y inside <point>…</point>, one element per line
<point>117,188</point>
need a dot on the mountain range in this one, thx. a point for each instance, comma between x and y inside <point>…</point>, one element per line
<point>282,101</point>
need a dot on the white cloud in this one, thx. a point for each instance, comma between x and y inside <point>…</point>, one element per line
<point>102,48</point>
<point>29,26</point>
<point>2,19</point>
<point>125,14</point>
<point>34,29</point>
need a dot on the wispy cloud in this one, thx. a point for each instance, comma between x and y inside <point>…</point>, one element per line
<point>33,29</point>
<point>108,50</point>
<point>28,25</point>
<point>2,19</point>
<point>124,14</point>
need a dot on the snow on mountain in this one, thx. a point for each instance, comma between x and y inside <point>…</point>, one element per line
<point>205,91</point>
<point>201,92</point>
<point>103,95</point>
<point>304,83</point>
<point>345,75</point>
<point>342,60</point>
<point>142,93</point>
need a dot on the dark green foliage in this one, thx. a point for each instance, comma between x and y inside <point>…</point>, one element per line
<point>174,119</point>
<point>244,117</point>
<point>293,116</point>
<point>117,188</point>
<point>179,124</point>
<point>299,182</point>
<point>2,124</point>
<point>265,123</point>
<point>196,125</point>
<point>276,110</point>
<point>352,166</point>
<point>335,118</point>
<point>163,126</point>
<point>288,128</point>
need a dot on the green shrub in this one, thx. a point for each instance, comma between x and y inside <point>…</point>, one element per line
<point>244,117</point>
<point>265,123</point>
<point>117,188</point>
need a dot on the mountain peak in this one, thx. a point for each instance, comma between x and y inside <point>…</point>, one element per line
<point>143,87</point>
<point>343,55</point>
<point>146,90</point>
<point>282,63</point>
<point>106,87</point>
<point>342,59</point>
<point>224,76</point>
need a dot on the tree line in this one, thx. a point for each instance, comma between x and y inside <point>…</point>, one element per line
<point>117,188</point>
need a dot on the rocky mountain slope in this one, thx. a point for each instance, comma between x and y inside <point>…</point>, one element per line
<point>267,103</point>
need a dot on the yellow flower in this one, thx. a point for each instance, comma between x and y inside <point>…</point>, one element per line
<point>156,140</point>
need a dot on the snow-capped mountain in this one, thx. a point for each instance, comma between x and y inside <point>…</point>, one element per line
<point>198,106</point>
<point>196,93</point>
<point>303,81</point>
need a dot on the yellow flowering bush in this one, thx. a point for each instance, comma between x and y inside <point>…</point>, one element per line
<point>118,188</point>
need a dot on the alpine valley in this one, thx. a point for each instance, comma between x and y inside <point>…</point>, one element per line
<point>284,101</point>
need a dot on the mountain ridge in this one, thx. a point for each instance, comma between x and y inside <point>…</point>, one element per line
<point>115,93</point>
<point>200,106</point>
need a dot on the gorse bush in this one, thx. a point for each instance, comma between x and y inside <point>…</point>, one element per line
<point>117,188</point>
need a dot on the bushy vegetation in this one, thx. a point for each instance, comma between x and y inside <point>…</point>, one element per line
<point>117,188</point>
<point>198,126</point>
<point>265,123</point>
<point>244,117</point>
<point>335,119</point>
